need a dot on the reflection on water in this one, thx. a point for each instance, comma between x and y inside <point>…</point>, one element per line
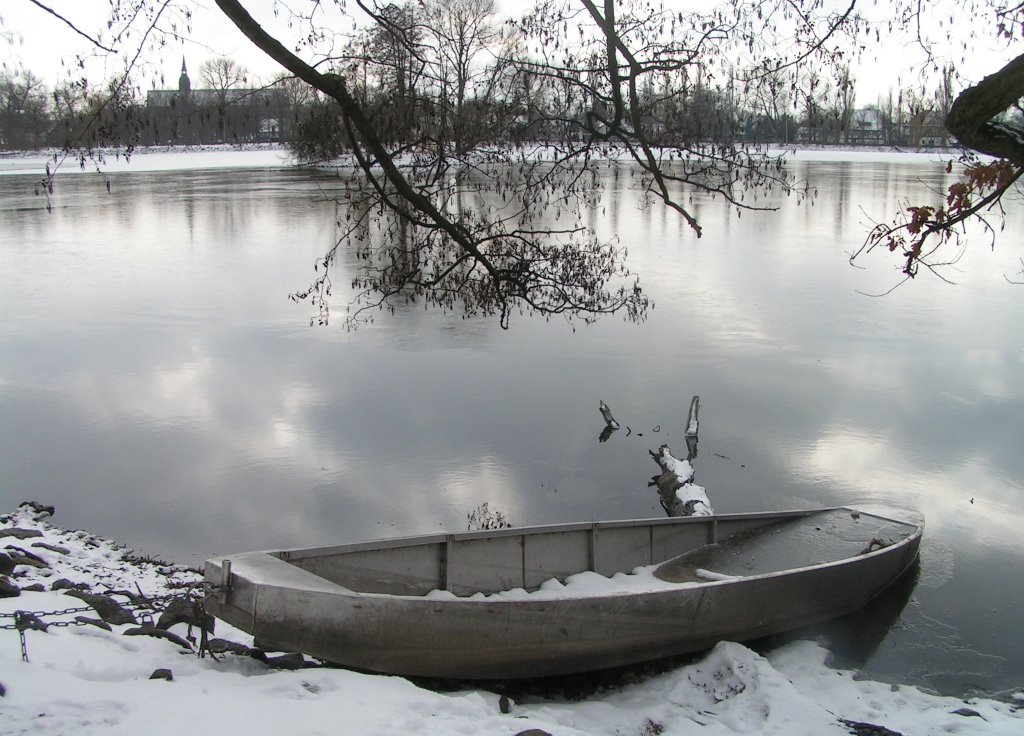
<point>157,386</point>
<point>854,640</point>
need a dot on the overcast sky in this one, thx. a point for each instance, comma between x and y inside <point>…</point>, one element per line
<point>41,43</point>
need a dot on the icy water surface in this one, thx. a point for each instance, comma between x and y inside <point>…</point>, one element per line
<point>158,387</point>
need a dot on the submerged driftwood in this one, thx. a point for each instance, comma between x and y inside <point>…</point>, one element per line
<point>606,412</point>
<point>692,428</point>
<point>680,496</point>
<point>610,425</point>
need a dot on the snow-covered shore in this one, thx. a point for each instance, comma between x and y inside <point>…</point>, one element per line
<point>83,679</point>
<point>153,158</point>
<point>273,155</point>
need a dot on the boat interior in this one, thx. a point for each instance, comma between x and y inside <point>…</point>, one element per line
<point>692,549</point>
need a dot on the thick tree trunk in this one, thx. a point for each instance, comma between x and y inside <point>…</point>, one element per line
<point>972,116</point>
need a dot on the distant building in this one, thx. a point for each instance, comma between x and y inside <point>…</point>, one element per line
<point>185,116</point>
<point>866,128</point>
<point>926,129</point>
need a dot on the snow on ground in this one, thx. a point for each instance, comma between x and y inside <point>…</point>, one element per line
<point>270,155</point>
<point>83,680</point>
<point>154,158</point>
<point>869,154</point>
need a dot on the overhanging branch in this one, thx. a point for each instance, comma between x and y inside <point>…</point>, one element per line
<point>972,117</point>
<point>73,27</point>
<point>334,86</point>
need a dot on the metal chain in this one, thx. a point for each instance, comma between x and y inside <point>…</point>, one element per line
<point>145,605</point>
<point>148,604</point>
<point>58,624</point>
<point>204,642</point>
<point>21,634</point>
<point>65,612</point>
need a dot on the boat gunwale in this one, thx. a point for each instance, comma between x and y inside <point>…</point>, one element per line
<point>436,538</point>
<point>328,587</point>
<point>676,588</point>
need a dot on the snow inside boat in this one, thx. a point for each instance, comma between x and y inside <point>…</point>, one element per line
<point>557,599</point>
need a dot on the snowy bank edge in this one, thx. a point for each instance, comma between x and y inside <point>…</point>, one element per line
<point>179,158</point>
<point>91,681</point>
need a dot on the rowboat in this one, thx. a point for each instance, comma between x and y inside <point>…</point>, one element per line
<point>563,598</point>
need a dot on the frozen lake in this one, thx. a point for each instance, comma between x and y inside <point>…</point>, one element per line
<point>158,387</point>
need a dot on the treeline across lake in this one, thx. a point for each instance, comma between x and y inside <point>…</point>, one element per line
<point>453,74</point>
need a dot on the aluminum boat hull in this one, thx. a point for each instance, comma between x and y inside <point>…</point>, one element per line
<point>365,605</point>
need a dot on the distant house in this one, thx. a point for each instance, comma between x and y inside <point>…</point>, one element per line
<point>197,116</point>
<point>819,127</point>
<point>926,129</point>
<point>865,128</point>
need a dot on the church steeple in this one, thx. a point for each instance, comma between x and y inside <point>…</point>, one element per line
<point>184,85</point>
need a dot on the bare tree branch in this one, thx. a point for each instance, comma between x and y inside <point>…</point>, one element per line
<point>73,27</point>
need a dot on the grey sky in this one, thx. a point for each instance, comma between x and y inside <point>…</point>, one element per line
<point>44,45</point>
